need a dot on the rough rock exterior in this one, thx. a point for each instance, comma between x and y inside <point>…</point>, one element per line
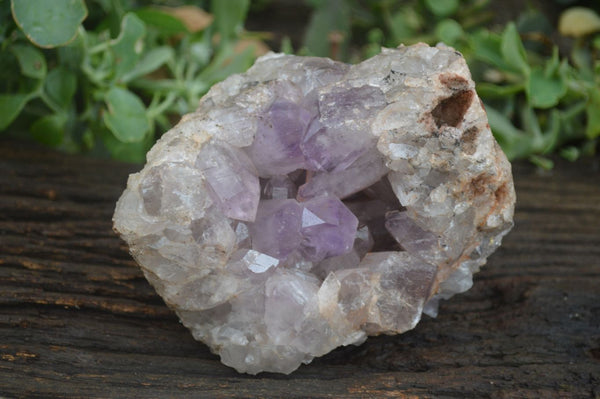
<point>308,203</point>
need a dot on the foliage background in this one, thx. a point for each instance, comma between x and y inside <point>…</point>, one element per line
<point>107,77</point>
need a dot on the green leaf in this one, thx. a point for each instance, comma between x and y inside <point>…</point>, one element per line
<point>544,91</point>
<point>49,23</point>
<point>530,122</point>
<point>31,61</point>
<point>375,36</point>
<point>512,49</point>
<point>542,162</point>
<point>60,86</point>
<point>129,45</point>
<point>49,129</point>
<point>128,152</point>
<point>225,64</point>
<point>166,24</point>
<point>570,153</point>
<point>514,142</point>
<point>551,136</point>
<point>449,31</point>
<point>593,114</point>
<point>490,90</point>
<point>553,64</point>
<point>286,46</point>
<point>332,16</point>
<point>10,107</point>
<point>229,17</point>
<point>149,62</point>
<point>596,42</point>
<point>582,59</point>
<point>126,115</point>
<point>88,140</point>
<point>487,47</point>
<point>442,8</point>
<point>404,24</point>
<point>199,49</point>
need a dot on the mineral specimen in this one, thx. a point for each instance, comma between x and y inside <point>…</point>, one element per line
<point>308,203</point>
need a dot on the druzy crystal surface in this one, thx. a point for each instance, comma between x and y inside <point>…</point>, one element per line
<point>308,203</point>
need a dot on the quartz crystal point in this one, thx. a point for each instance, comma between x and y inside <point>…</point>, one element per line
<point>308,203</point>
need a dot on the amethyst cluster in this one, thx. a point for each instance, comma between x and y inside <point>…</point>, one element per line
<point>288,185</point>
<point>308,203</point>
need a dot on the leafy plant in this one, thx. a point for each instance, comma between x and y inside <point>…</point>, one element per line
<point>550,100</point>
<point>538,101</point>
<point>104,76</point>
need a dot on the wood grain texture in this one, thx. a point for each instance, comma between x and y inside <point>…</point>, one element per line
<point>78,320</point>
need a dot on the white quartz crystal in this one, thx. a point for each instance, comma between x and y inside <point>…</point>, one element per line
<point>308,203</point>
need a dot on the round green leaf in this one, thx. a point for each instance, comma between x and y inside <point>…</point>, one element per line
<point>49,23</point>
<point>31,61</point>
<point>404,24</point>
<point>442,8</point>
<point>126,115</point>
<point>49,129</point>
<point>449,31</point>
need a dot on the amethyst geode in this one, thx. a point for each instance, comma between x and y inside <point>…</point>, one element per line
<point>308,203</point>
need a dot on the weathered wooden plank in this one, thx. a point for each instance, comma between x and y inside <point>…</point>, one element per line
<point>77,319</point>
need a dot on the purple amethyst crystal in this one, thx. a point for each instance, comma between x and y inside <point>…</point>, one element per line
<point>276,230</point>
<point>328,228</point>
<point>334,142</point>
<point>276,148</point>
<point>310,203</point>
<point>366,170</point>
<point>320,228</point>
